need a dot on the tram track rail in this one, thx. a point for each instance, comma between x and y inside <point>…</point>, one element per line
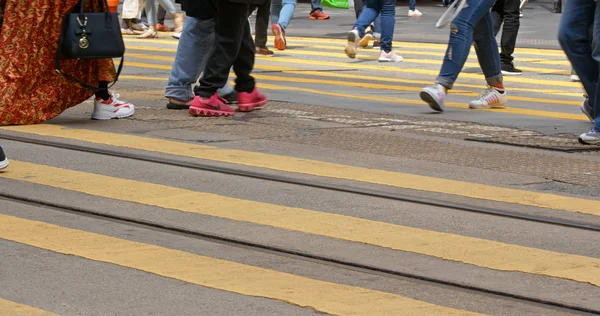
<point>296,254</point>
<point>306,183</point>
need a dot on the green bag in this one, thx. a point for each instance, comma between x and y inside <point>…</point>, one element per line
<point>340,4</point>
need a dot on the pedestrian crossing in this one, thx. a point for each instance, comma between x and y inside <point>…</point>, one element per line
<point>323,296</point>
<point>311,66</point>
<point>318,67</point>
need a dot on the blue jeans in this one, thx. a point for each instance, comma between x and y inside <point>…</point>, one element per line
<point>583,51</point>
<point>152,9</point>
<point>386,10</point>
<point>473,24</point>
<point>315,5</point>
<point>282,12</point>
<point>196,40</point>
<point>412,4</point>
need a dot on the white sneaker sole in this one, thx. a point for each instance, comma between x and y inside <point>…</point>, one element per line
<point>105,116</point>
<point>431,101</point>
<point>388,60</point>
<point>493,106</point>
<point>507,73</point>
<point>3,164</point>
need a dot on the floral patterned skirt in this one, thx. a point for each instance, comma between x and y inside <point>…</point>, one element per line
<point>31,91</point>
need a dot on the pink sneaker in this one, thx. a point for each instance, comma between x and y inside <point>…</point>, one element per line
<point>248,101</point>
<point>213,106</point>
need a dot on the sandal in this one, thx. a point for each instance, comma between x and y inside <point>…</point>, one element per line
<point>149,34</point>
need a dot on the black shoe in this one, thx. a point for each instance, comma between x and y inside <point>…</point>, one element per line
<point>232,98</point>
<point>3,159</point>
<point>376,44</point>
<point>510,70</point>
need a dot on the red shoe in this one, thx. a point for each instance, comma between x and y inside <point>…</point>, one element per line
<point>162,28</point>
<point>279,36</point>
<point>318,15</point>
<point>248,101</point>
<point>213,106</point>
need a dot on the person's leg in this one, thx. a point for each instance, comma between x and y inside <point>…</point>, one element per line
<point>262,23</point>
<point>459,45</point>
<point>284,16</point>
<point>276,6</point>
<point>591,106</point>
<point>412,5</point>
<point>369,13</point>
<point>316,11</point>
<point>315,5</point>
<point>196,40</point>
<point>461,39</point>
<point>162,14</point>
<point>486,48</point>
<point>596,56</point>
<point>151,14</point>
<point>286,13</point>
<point>249,97</point>
<point>358,7</point>
<point>510,30</point>
<point>498,16</point>
<point>388,22</point>
<point>231,26</point>
<point>573,36</point>
<point>168,5</point>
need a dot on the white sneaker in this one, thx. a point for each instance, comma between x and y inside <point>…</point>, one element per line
<point>575,78</point>
<point>590,138</point>
<point>112,109</point>
<point>176,35</point>
<point>414,12</point>
<point>435,96</point>
<point>389,57</point>
<point>352,44</point>
<point>520,14</point>
<point>490,98</point>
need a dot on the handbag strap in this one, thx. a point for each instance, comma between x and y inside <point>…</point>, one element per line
<point>58,69</point>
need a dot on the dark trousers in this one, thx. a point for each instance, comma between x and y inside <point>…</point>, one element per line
<point>505,14</point>
<point>233,47</point>
<point>263,15</point>
<point>358,6</point>
<point>162,13</point>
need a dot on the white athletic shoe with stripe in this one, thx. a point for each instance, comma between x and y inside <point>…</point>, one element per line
<point>490,98</point>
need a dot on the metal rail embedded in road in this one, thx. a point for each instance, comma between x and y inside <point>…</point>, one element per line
<point>308,183</point>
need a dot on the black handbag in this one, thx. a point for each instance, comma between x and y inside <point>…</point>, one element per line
<point>90,35</point>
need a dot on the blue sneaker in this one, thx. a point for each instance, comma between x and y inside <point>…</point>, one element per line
<point>590,138</point>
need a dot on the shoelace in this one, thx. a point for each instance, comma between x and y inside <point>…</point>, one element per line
<point>222,99</point>
<point>487,92</point>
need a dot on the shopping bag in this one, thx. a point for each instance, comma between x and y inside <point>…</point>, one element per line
<point>340,4</point>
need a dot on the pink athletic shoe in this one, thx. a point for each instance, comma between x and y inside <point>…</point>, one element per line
<point>213,106</point>
<point>248,101</point>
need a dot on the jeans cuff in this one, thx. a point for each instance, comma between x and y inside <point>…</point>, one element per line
<point>446,82</point>
<point>180,93</point>
<point>494,80</point>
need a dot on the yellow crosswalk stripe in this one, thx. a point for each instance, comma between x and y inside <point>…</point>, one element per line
<point>358,65</point>
<point>299,71</point>
<point>333,42</point>
<point>357,84</point>
<point>370,56</point>
<point>457,105</point>
<point>325,297</point>
<point>320,168</point>
<point>9,308</point>
<point>469,250</point>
